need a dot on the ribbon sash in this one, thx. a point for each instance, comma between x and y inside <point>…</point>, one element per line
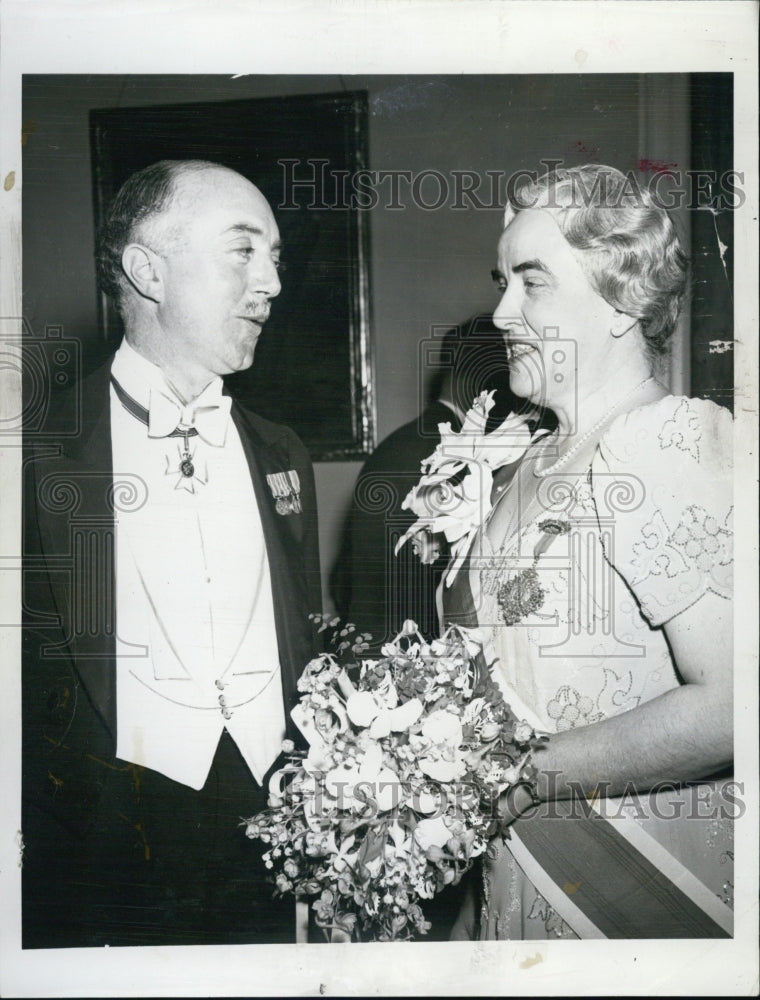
<point>608,878</point>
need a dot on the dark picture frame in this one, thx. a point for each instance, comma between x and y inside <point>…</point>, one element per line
<point>313,365</point>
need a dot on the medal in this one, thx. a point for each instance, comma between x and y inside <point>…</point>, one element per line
<point>186,467</point>
<point>286,491</point>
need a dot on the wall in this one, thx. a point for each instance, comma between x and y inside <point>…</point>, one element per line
<point>427,266</point>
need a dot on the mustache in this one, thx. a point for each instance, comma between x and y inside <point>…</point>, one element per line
<point>259,314</point>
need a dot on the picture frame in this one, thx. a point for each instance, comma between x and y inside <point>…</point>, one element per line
<point>316,345</point>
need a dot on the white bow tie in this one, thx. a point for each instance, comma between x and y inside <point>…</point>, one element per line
<point>210,419</point>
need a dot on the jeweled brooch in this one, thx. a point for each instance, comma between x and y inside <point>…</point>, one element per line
<point>523,595</point>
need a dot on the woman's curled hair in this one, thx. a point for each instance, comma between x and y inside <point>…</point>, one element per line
<point>630,248</point>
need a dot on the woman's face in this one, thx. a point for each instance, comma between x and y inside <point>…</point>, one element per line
<point>556,327</point>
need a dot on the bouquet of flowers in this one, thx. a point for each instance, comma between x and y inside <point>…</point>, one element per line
<point>397,794</point>
<point>453,496</point>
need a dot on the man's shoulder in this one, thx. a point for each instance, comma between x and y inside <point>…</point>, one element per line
<point>267,431</point>
<point>66,412</point>
<point>409,444</point>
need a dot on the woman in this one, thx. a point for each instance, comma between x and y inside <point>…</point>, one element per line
<point>601,579</point>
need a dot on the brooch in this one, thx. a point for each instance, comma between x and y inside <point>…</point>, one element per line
<point>523,594</point>
<point>286,490</point>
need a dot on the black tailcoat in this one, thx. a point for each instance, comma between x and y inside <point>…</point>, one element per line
<point>115,853</point>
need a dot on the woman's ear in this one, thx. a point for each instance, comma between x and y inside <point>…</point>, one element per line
<point>142,267</point>
<point>622,324</point>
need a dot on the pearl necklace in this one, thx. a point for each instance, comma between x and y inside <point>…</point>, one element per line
<point>540,473</point>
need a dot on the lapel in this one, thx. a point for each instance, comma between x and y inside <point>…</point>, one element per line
<point>74,508</point>
<point>267,450</point>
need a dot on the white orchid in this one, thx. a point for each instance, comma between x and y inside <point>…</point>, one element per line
<point>503,446</point>
<point>401,843</point>
<point>365,710</point>
<point>453,496</point>
<point>342,855</point>
<point>442,727</point>
<point>432,833</point>
<point>439,745</point>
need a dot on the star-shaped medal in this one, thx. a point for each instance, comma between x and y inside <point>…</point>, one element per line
<point>187,468</point>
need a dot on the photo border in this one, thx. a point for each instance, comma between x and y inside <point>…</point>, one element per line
<point>392,36</point>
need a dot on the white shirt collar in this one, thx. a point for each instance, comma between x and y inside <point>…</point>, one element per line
<point>147,385</point>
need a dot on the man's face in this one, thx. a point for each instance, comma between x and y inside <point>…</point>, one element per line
<point>219,274</point>
<point>546,290</point>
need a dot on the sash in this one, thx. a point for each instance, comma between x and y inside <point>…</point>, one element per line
<point>609,878</point>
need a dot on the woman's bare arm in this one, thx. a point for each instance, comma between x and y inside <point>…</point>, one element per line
<point>685,734</point>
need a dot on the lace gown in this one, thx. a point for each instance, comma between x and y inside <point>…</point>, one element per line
<point>618,551</point>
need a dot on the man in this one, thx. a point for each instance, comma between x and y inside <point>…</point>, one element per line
<point>173,541</point>
<point>373,588</point>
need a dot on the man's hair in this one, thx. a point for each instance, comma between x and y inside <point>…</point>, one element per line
<point>631,253</point>
<point>144,197</point>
